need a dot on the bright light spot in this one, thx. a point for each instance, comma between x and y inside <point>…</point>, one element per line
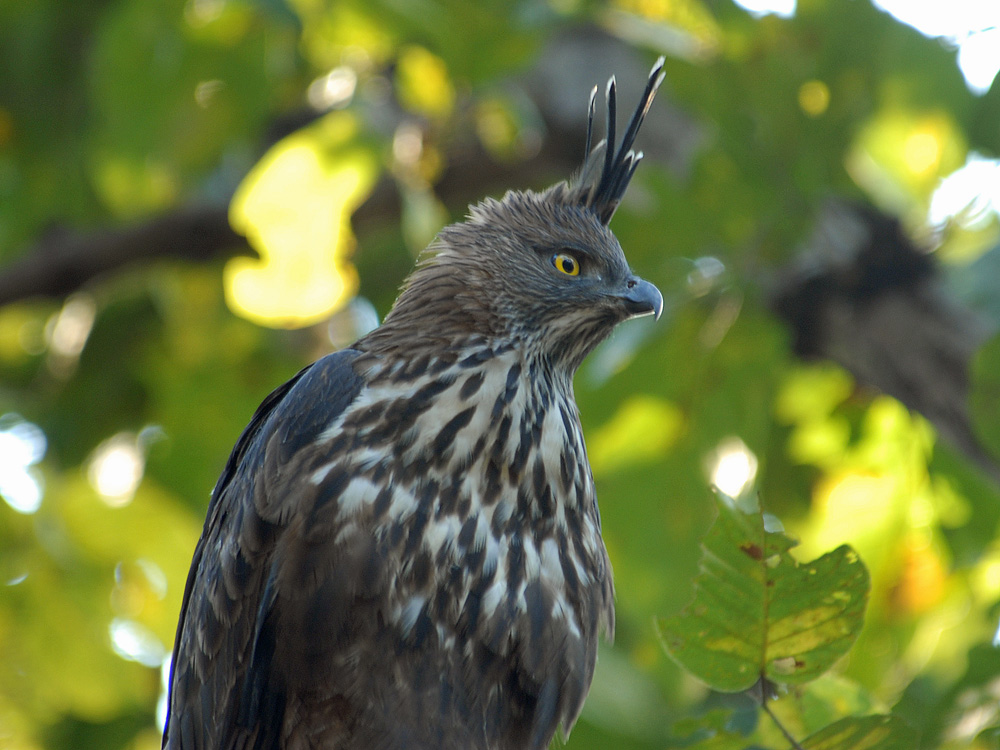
<point>155,576</point>
<point>732,467</point>
<point>969,24</point>
<point>814,98</point>
<point>206,91</point>
<point>136,642</point>
<point>784,8</point>
<point>979,58</point>
<point>334,90</point>
<point>22,492</point>
<point>161,702</point>
<point>705,275</point>
<point>855,506</point>
<point>22,445</point>
<point>407,144</point>
<point>71,327</point>
<point>116,468</point>
<point>922,152</point>
<point>201,12</point>
<point>900,155</point>
<point>969,194</point>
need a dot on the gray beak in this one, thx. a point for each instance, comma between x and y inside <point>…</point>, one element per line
<point>642,298</point>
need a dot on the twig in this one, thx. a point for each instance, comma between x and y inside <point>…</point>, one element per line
<point>781,727</point>
<point>63,261</point>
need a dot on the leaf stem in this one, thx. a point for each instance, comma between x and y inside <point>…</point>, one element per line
<point>781,727</point>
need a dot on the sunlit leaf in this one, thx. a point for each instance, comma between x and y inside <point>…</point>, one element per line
<point>685,27</point>
<point>906,153</point>
<point>863,733</point>
<point>757,612</point>
<point>294,208</point>
<point>424,84</point>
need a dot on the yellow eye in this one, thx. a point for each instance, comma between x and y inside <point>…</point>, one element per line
<point>566,263</point>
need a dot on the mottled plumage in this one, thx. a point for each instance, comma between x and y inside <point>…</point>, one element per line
<point>404,548</point>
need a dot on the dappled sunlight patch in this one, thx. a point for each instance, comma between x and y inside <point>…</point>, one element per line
<point>134,642</point>
<point>855,506</point>
<point>814,98</point>
<point>968,199</point>
<point>900,155</point>
<point>807,400</point>
<point>294,208</point>
<point>643,429</point>
<point>879,493</point>
<point>424,83</point>
<point>985,579</point>
<point>116,468</point>
<point>333,90</point>
<point>732,467</point>
<point>881,487</point>
<point>922,575</point>
<point>783,8</point>
<point>681,28</point>
<point>67,331</point>
<point>131,186</point>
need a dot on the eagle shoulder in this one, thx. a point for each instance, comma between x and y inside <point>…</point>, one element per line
<point>225,637</point>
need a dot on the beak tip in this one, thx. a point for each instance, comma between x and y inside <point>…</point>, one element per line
<point>644,299</point>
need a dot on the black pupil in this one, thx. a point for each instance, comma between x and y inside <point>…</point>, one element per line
<point>567,264</point>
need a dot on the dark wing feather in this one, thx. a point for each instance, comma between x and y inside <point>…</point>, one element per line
<point>224,623</point>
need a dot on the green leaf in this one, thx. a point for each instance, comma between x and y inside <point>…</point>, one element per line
<point>711,731</point>
<point>985,391</point>
<point>878,732</point>
<point>757,612</point>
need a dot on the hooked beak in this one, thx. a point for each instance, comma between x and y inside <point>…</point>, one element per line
<point>642,298</point>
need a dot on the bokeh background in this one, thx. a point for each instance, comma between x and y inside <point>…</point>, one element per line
<point>197,197</point>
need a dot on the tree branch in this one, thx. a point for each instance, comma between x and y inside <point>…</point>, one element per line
<point>62,262</point>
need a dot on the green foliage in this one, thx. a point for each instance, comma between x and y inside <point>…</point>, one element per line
<point>986,392</point>
<point>866,733</point>
<point>119,404</point>
<point>760,614</point>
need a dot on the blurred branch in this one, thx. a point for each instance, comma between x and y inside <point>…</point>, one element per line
<point>63,261</point>
<point>859,294</point>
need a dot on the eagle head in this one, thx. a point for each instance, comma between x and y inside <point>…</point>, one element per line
<point>539,269</point>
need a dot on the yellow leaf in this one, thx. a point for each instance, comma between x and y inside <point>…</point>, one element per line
<point>424,85</point>
<point>294,208</point>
